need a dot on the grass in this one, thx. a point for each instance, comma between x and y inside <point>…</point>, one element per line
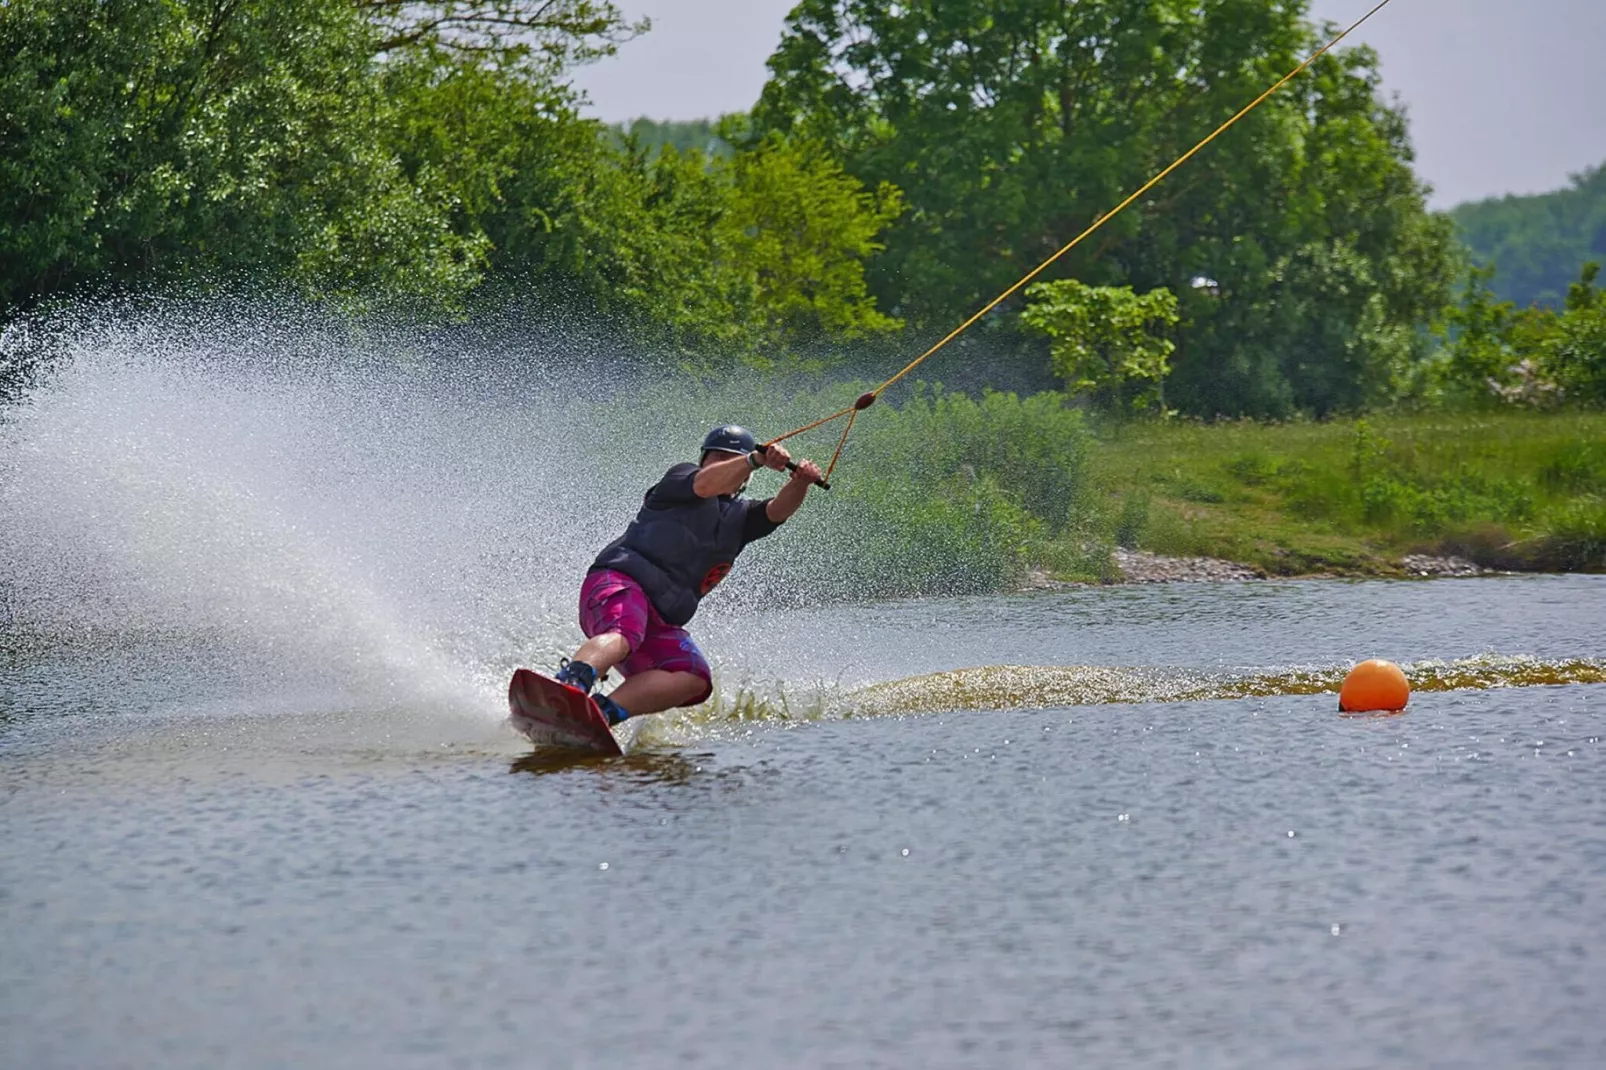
<point>941,493</point>
<point>1509,490</point>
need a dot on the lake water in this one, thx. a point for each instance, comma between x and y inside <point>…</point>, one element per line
<point>262,583</point>
<point>201,868</point>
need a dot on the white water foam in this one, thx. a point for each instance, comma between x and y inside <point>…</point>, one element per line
<point>391,517</point>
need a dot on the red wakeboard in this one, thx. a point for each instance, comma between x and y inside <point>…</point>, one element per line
<point>550,714</point>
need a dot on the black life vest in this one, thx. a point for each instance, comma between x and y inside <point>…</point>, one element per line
<point>679,551</point>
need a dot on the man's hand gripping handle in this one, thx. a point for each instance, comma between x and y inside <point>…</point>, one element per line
<point>791,466</point>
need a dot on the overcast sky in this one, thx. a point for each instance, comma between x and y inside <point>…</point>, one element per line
<point>1505,96</point>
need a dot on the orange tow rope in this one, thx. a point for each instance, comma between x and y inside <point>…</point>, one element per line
<point>868,399</point>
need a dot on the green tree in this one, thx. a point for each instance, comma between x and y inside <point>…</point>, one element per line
<point>1478,351</point>
<point>379,148</point>
<point>1010,127</point>
<point>758,255</point>
<point>796,235</point>
<point>1106,340</point>
<point>1498,354</point>
<point>541,38</point>
<point>187,139</point>
<point>1576,353</point>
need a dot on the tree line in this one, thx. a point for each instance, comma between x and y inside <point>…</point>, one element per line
<point>1537,244</point>
<point>905,162</point>
<point>410,152</point>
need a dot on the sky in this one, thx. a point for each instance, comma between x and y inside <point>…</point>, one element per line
<point>1505,96</point>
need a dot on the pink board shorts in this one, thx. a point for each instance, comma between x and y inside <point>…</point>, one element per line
<point>613,602</point>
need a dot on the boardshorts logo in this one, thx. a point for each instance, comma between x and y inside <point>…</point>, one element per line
<point>715,574</point>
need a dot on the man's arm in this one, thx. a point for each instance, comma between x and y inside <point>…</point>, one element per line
<point>722,477</point>
<point>787,500</point>
<point>727,476</point>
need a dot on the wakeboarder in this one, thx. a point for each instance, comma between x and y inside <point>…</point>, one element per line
<point>645,586</point>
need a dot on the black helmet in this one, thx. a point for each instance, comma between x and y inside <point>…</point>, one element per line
<point>729,439</point>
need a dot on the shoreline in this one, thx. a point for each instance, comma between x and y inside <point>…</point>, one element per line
<point>1141,567</point>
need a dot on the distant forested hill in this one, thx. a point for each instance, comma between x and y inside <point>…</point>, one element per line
<point>699,134</point>
<point>1538,243</point>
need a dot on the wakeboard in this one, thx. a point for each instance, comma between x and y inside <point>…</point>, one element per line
<point>550,714</point>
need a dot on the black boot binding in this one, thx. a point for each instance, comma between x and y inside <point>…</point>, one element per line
<point>576,674</point>
<point>614,712</point>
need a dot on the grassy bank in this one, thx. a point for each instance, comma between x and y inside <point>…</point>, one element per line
<point>1508,490</point>
<point>942,492</point>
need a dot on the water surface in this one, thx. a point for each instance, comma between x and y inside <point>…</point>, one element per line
<point>211,860</point>
<point>263,578</point>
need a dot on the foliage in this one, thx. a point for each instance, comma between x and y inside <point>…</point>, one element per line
<point>799,230</point>
<point>1538,243</point>
<point>543,37</point>
<point>1479,351</point>
<point>961,535</point>
<point>1497,354</point>
<point>758,255</point>
<point>1106,339</point>
<point>405,150</point>
<point>1576,354</point>
<point>1035,448</point>
<point>178,140</point>
<point>907,161</point>
<point>1299,245</point>
<point>947,493</point>
<point>937,492</point>
<point>1512,489</point>
<point>1133,520</point>
<point>702,135</point>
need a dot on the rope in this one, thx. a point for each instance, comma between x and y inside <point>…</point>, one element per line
<point>868,399</point>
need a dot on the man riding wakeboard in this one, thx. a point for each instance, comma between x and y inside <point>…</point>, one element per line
<point>645,586</point>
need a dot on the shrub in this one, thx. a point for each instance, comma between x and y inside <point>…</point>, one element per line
<point>1034,448</point>
<point>941,493</point>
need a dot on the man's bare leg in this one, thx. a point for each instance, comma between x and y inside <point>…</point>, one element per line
<point>657,690</point>
<point>652,691</point>
<point>603,651</point>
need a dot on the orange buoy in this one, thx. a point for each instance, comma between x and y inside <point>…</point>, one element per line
<point>1374,686</point>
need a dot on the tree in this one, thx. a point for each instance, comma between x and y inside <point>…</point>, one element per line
<point>797,234</point>
<point>183,139</point>
<point>1106,340</point>
<point>1478,351</point>
<point>1496,353</point>
<point>193,139</point>
<point>546,38</point>
<point>380,149</point>
<point>1576,353</point>
<point>757,253</point>
<point>1010,127</point>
